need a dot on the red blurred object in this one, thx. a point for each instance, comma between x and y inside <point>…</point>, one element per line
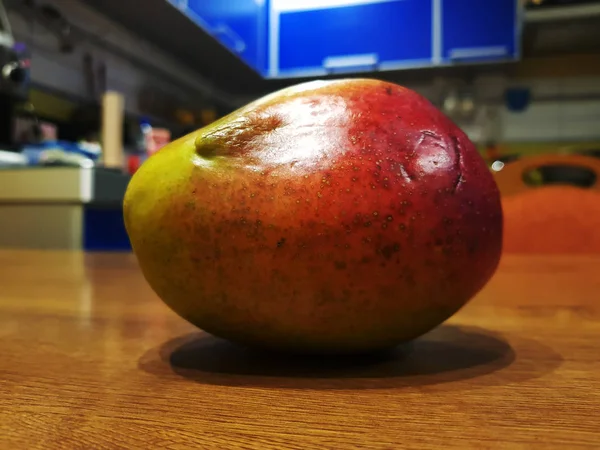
<point>133,163</point>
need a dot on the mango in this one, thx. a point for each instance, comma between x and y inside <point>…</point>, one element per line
<point>329,217</point>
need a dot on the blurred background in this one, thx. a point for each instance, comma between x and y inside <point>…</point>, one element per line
<point>90,88</point>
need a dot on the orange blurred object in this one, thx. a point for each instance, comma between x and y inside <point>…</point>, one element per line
<point>208,116</point>
<point>555,218</point>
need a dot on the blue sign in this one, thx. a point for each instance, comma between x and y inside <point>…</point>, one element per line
<point>292,38</point>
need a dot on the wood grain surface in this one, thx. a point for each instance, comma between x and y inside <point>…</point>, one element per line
<point>91,359</point>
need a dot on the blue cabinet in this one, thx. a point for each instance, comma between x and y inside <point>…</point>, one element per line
<point>355,35</point>
<point>479,30</point>
<point>294,38</point>
<point>240,25</point>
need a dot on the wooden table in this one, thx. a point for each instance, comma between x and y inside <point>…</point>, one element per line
<point>91,359</point>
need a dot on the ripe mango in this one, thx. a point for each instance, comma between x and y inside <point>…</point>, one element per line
<point>332,217</point>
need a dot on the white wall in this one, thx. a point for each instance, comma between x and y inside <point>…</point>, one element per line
<point>561,108</point>
<point>574,115</point>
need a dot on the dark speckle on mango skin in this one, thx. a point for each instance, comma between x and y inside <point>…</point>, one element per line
<point>375,211</point>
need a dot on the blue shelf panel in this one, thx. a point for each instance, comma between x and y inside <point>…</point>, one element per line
<point>104,229</point>
<point>239,25</point>
<point>480,31</point>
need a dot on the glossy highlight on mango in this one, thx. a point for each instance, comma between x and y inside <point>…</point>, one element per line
<point>330,217</point>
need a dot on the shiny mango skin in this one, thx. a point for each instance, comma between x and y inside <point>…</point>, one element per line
<point>331,217</point>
